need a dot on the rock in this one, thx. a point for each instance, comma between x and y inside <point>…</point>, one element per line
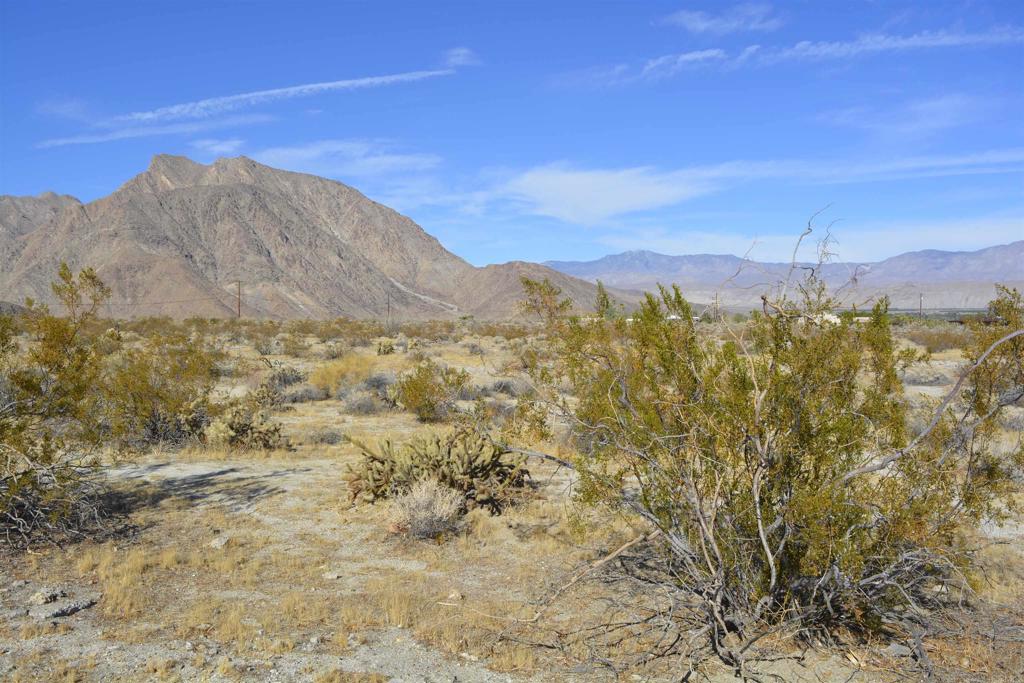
<point>455,596</point>
<point>333,575</point>
<point>20,583</point>
<point>897,650</point>
<point>219,542</point>
<point>62,609</point>
<point>45,596</point>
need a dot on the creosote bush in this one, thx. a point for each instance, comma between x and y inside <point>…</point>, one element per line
<point>48,425</point>
<point>157,392</point>
<point>483,473</point>
<point>776,468</point>
<point>430,390</point>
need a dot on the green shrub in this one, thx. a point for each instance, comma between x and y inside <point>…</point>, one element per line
<point>157,392</point>
<point>484,474</point>
<point>430,390</point>
<point>776,468</point>
<point>48,424</point>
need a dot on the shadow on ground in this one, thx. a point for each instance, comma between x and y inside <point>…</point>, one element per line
<point>229,487</point>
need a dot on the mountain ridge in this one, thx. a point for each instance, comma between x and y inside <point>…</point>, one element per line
<point>947,279</point>
<point>176,238</point>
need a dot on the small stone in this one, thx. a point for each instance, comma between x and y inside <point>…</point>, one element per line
<point>456,595</point>
<point>219,542</point>
<point>897,650</point>
<point>333,575</point>
<point>46,596</point>
<point>20,583</point>
<point>189,646</point>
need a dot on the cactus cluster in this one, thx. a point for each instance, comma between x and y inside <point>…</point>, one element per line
<point>385,348</point>
<point>244,429</point>
<point>486,475</point>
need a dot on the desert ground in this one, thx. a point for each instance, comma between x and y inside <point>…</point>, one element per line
<point>228,565</point>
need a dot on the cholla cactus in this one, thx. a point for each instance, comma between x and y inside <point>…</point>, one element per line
<point>463,460</point>
<point>243,429</point>
<point>385,348</point>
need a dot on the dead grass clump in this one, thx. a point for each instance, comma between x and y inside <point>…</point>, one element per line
<point>120,574</point>
<point>401,601</point>
<point>936,337</point>
<point>325,437</point>
<point>428,510</point>
<point>343,372</point>
<point>49,628</point>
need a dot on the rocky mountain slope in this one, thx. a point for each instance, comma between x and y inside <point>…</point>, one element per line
<point>176,239</point>
<point>946,279</point>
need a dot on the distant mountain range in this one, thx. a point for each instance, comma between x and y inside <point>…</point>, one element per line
<point>946,279</point>
<point>175,239</point>
<point>181,238</point>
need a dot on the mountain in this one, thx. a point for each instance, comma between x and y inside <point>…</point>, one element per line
<point>20,215</point>
<point>175,239</point>
<point>945,279</point>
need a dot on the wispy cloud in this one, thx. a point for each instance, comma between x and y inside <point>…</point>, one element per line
<point>658,68</point>
<point>669,65</point>
<point>219,105</point>
<point>666,66</point>
<point>881,42</point>
<point>595,196</point>
<point>913,120</point>
<point>347,158</point>
<point>72,108</point>
<point>213,146</point>
<point>460,56</point>
<point>590,196</point>
<point>741,18</point>
<point>129,132</point>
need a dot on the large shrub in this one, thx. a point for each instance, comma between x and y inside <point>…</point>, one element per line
<point>48,427</point>
<point>430,390</point>
<point>158,392</point>
<point>776,468</point>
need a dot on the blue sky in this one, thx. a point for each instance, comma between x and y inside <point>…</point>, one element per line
<point>550,130</point>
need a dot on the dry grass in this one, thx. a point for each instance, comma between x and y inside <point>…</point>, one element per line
<point>936,337</point>
<point>428,510</point>
<point>36,629</point>
<point>340,676</point>
<point>267,592</point>
<point>346,371</point>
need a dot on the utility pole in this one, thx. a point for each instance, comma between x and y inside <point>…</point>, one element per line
<point>920,305</point>
<point>238,299</point>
